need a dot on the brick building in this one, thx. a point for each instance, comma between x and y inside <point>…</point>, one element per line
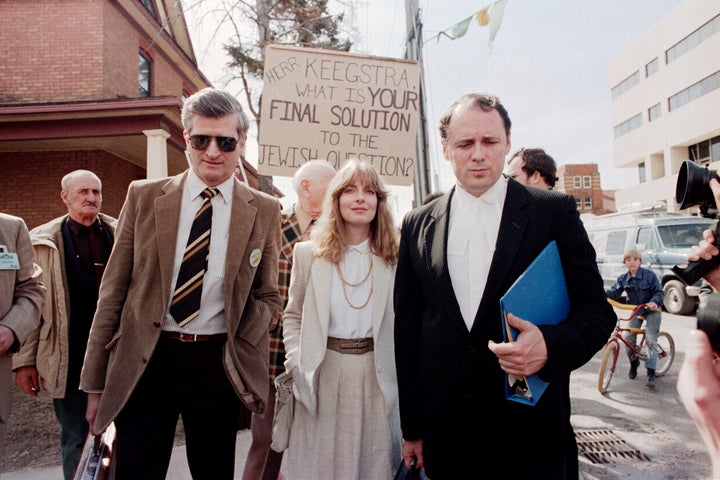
<point>93,84</point>
<point>582,181</point>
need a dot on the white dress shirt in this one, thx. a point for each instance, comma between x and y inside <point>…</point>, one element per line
<point>345,321</point>
<point>474,225</point>
<point>211,319</point>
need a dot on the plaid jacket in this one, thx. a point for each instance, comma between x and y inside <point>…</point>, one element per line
<point>290,236</point>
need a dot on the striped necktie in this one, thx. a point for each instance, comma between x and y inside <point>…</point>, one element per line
<point>185,305</point>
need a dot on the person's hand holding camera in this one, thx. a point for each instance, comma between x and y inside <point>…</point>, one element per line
<point>706,250</point>
<point>699,379</point>
<point>708,314</point>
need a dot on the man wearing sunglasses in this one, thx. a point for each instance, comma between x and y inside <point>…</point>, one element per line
<point>166,342</point>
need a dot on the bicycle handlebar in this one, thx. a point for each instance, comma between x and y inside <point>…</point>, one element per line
<point>626,306</point>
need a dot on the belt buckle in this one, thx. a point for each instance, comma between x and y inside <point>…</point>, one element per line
<point>357,346</point>
<point>188,337</point>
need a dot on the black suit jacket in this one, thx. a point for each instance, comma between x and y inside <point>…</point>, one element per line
<point>451,386</point>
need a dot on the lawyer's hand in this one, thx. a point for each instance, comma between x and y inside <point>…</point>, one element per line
<point>527,354</point>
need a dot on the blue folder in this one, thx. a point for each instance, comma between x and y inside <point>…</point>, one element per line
<point>539,296</point>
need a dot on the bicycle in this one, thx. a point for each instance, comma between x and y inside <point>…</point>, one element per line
<point>665,346</point>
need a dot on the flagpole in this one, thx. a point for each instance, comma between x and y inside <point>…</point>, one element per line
<point>422,184</point>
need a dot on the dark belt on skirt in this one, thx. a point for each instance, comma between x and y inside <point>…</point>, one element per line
<point>193,337</point>
<point>351,345</point>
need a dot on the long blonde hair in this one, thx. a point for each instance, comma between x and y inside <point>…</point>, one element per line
<point>328,232</point>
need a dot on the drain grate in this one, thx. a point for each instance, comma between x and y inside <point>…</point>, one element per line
<point>603,446</point>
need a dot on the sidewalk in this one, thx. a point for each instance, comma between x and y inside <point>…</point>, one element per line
<point>178,464</point>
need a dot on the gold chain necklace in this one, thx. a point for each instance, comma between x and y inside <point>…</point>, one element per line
<point>344,283</point>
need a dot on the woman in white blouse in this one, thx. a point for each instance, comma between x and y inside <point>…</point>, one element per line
<point>338,335</point>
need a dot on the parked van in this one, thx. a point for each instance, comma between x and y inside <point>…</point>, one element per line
<point>663,238</point>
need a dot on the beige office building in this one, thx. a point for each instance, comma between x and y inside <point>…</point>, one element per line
<point>665,102</point>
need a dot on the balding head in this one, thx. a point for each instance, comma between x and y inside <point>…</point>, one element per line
<point>311,182</point>
<point>82,194</point>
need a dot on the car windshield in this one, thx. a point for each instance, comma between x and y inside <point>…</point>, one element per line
<point>682,235</point>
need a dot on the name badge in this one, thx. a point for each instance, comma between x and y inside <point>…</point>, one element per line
<point>9,261</point>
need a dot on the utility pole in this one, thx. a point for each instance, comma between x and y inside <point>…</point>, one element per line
<point>265,182</point>
<point>413,51</point>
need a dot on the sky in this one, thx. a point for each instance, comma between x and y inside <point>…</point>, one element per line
<point>548,65</point>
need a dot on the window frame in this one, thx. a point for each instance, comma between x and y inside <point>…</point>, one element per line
<point>144,92</point>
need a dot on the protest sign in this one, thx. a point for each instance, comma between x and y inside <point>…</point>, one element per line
<point>335,105</point>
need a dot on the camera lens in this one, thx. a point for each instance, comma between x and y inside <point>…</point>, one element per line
<point>708,319</point>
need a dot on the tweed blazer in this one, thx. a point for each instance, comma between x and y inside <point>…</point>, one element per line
<point>307,316</point>
<point>450,384</point>
<point>134,294</point>
<point>22,296</point>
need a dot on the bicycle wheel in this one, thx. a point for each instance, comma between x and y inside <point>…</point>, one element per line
<point>666,353</point>
<point>607,366</point>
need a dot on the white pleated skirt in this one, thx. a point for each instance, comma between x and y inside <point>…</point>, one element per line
<point>352,436</point>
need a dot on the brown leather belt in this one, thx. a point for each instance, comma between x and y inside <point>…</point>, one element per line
<point>193,337</point>
<point>351,345</point>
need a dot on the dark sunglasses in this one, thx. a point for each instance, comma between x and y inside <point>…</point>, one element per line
<point>201,142</point>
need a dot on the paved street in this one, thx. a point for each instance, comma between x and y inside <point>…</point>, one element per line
<point>178,464</point>
<point>660,439</point>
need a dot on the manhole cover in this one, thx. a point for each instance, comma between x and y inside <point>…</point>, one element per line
<point>603,446</point>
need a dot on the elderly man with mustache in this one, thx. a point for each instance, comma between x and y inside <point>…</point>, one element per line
<point>72,251</point>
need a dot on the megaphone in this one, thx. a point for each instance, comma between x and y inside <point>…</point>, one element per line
<point>693,185</point>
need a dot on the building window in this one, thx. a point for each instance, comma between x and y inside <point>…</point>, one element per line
<point>715,149</point>
<point>588,203</point>
<point>654,112</point>
<point>148,4</point>
<point>578,203</point>
<point>587,181</point>
<point>577,181</point>
<point>625,85</point>
<point>652,67</point>
<point>641,172</point>
<point>144,71</point>
<point>695,91</point>
<point>628,125</point>
<point>693,40</point>
<point>700,152</point>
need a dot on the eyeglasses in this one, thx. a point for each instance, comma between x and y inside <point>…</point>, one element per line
<point>201,142</point>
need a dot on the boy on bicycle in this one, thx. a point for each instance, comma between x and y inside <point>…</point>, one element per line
<point>641,285</point>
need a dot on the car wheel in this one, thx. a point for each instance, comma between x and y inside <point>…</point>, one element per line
<point>677,300</point>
